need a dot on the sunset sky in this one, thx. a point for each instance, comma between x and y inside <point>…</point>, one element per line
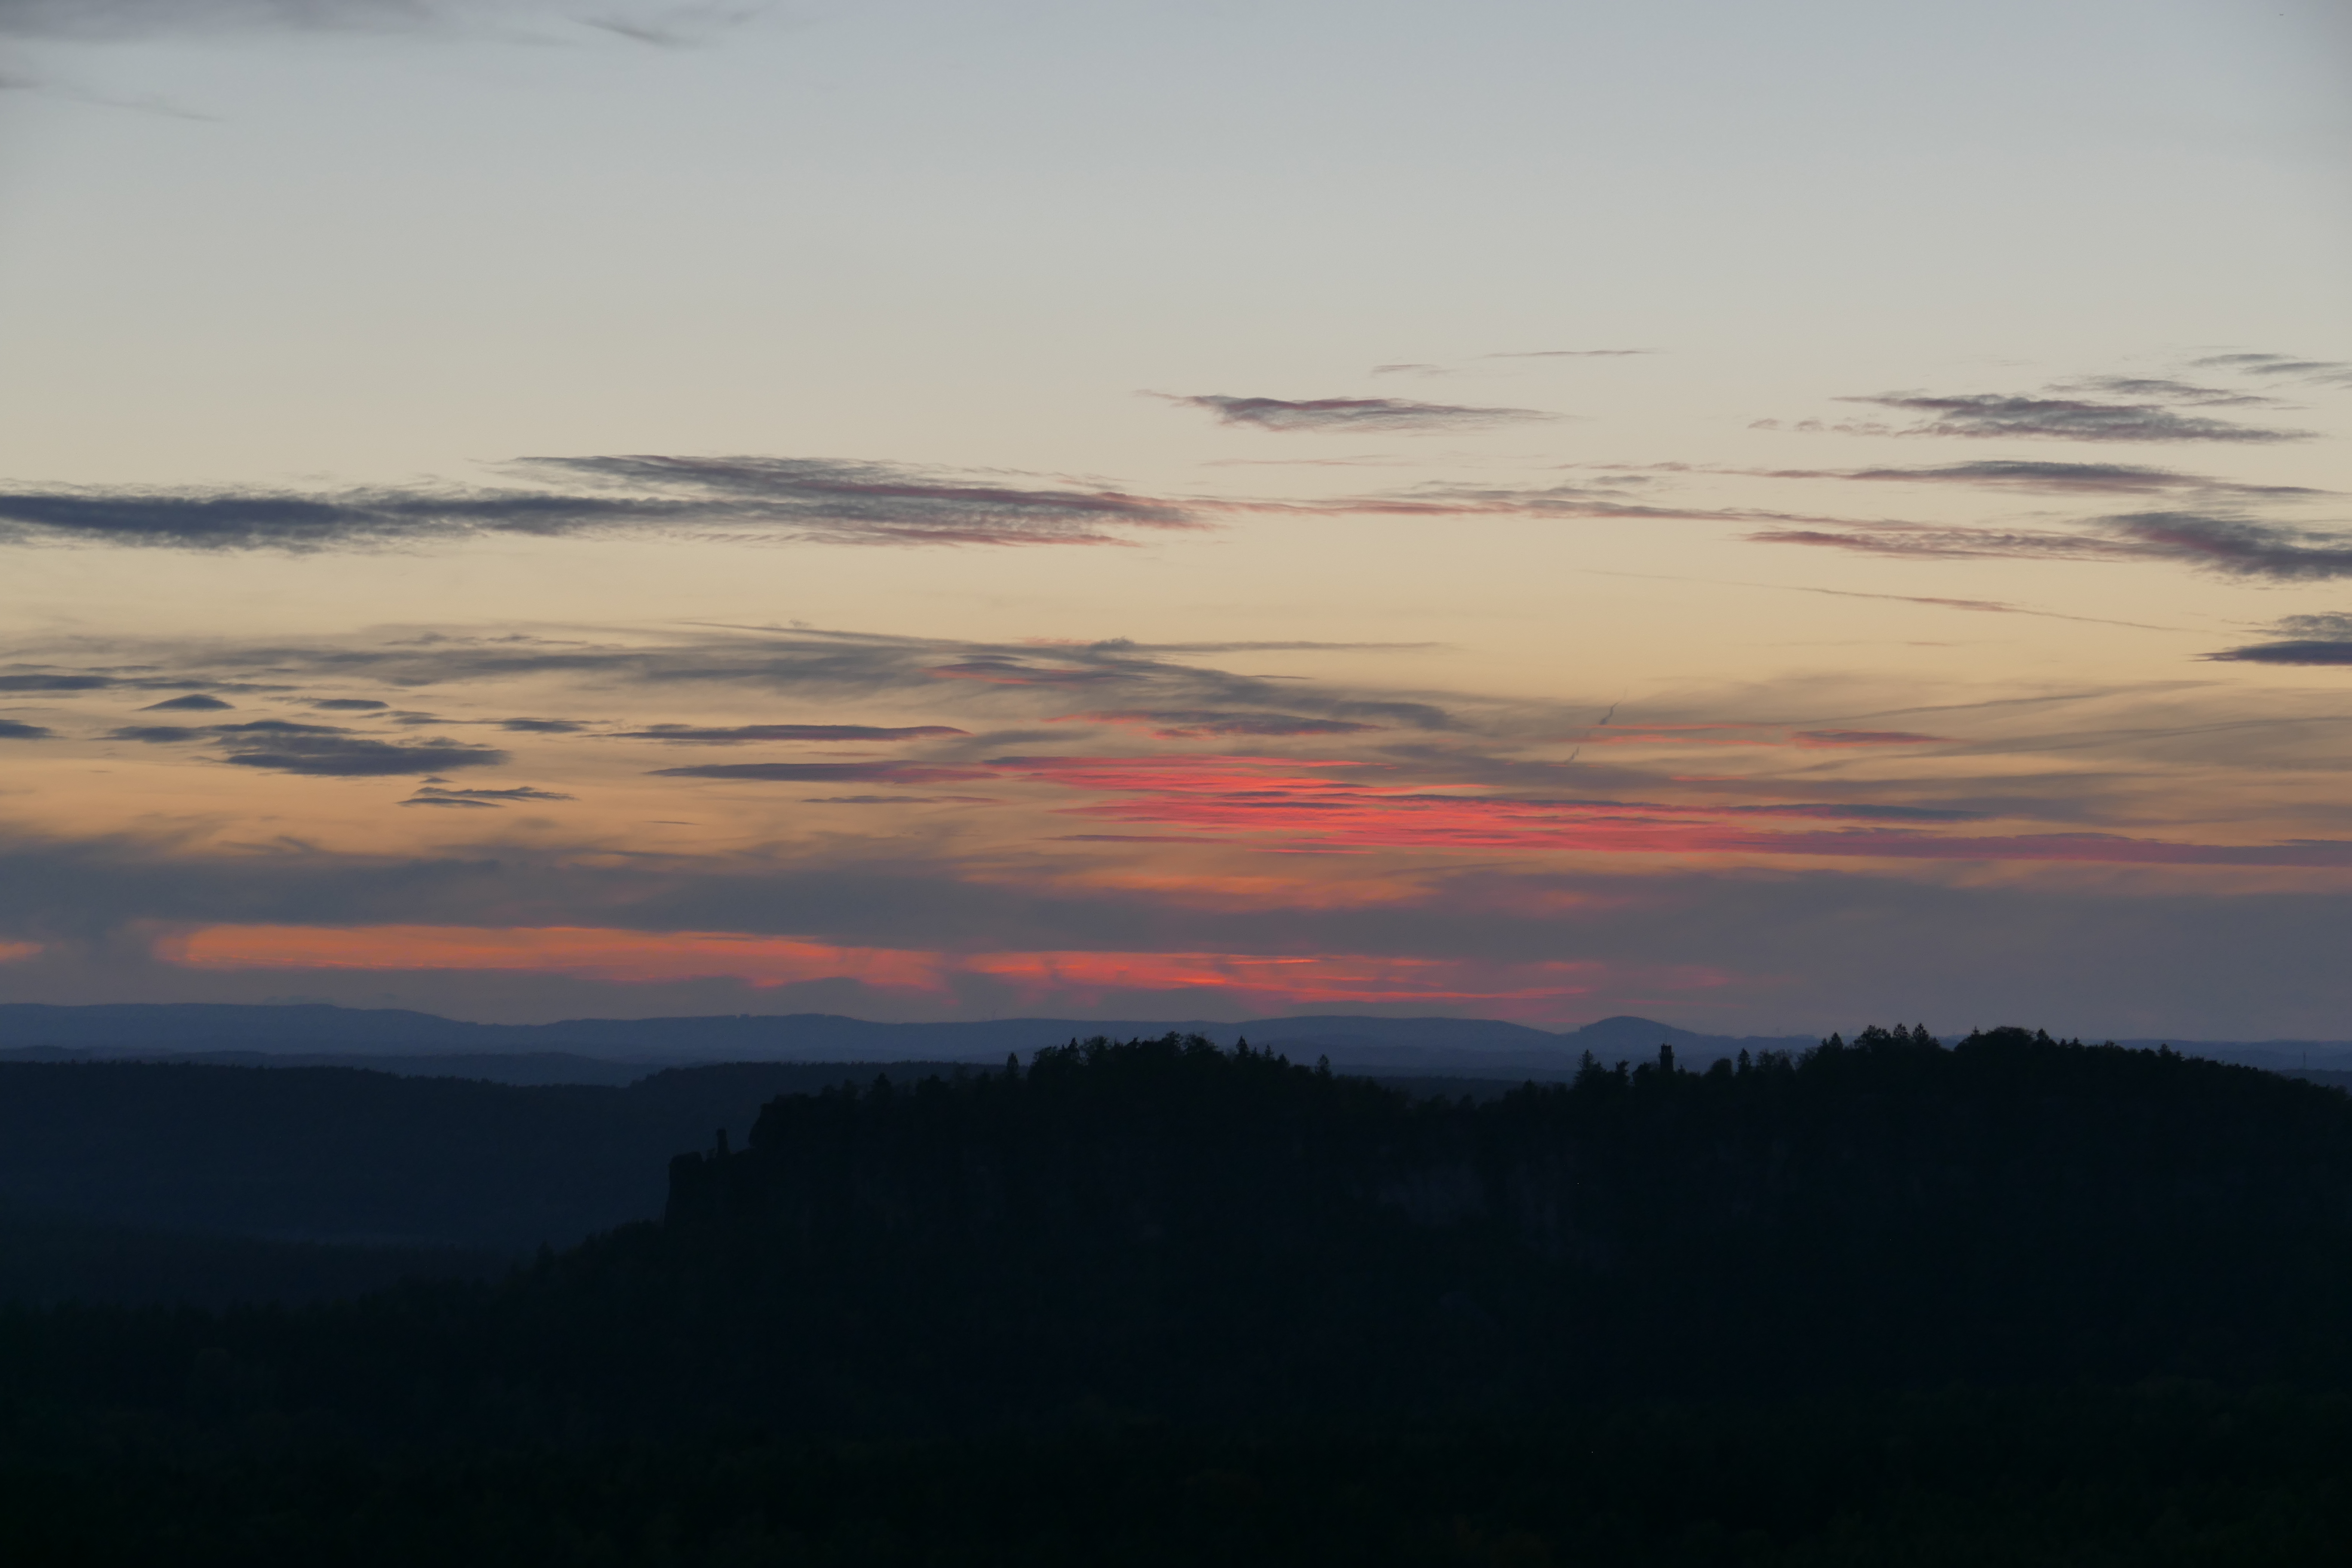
<point>1761,516</point>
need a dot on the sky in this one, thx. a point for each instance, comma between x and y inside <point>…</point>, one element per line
<point>1766,518</point>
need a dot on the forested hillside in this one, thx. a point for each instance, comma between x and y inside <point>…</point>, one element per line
<point>2019,1299</point>
<point>1169,1227</point>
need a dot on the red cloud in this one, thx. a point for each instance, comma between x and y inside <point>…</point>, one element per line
<point>1298,811</point>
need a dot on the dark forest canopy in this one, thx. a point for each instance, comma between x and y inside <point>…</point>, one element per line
<point>1251,1296</point>
<point>1869,1212</point>
<point>1165,1229</point>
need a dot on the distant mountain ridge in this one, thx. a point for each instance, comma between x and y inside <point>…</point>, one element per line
<point>321,1033</point>
<point>588,1050</point>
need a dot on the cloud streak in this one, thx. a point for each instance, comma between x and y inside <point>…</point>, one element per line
<point>2303,652</point>
<point>320,750</point>
<point>745,499</point>
<point>826,773</point>
<point>2224,546</point>
<point>1183,723</point>
<point>1865,738</point>
<point>2283,367</point>
<point>1311,807</point>
<point>1391,415</point>
<point>741,734</point>
<point>2056,477</point>
<point>1986,415</point>
<point>799,665</point>
<point>480,799</point>
<point>47,682</point>
<point>2320,639</point>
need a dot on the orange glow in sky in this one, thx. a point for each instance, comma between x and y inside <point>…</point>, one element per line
<point>1287,980</point>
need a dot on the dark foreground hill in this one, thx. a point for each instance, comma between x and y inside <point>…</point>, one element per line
<point>2019,1301</point>
<point>51,1260</point>
<point>1170,1229</point>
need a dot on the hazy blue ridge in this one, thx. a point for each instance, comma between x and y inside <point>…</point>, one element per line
<point>617,1050</point>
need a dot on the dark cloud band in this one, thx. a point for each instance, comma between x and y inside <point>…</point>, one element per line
<point>2337,654</point>
<point>55,682</point>
<point>758,499</point>
<point>321,751</point>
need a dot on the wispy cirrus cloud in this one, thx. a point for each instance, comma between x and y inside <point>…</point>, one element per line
<point>741,734</point>
<point>827,773</point>
<point>2165,389</point>
<point>777,499</point>
<point>768,664</point>
<point>2226,546</point>
<point>1353,415</point>
<point>1593,502</point>
<point>2056,477</point>
<point>1818,738</point>
<point>326,751</point>
<point>2132,408</point>
<point>2282,367</point>
<point>1981,416</point>
<point>480,799</point>
<point>1739,734</point>
<point>1178,724</point>
<point>1013,669</point>
<point>751,498</point>
<point>320,750</point>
